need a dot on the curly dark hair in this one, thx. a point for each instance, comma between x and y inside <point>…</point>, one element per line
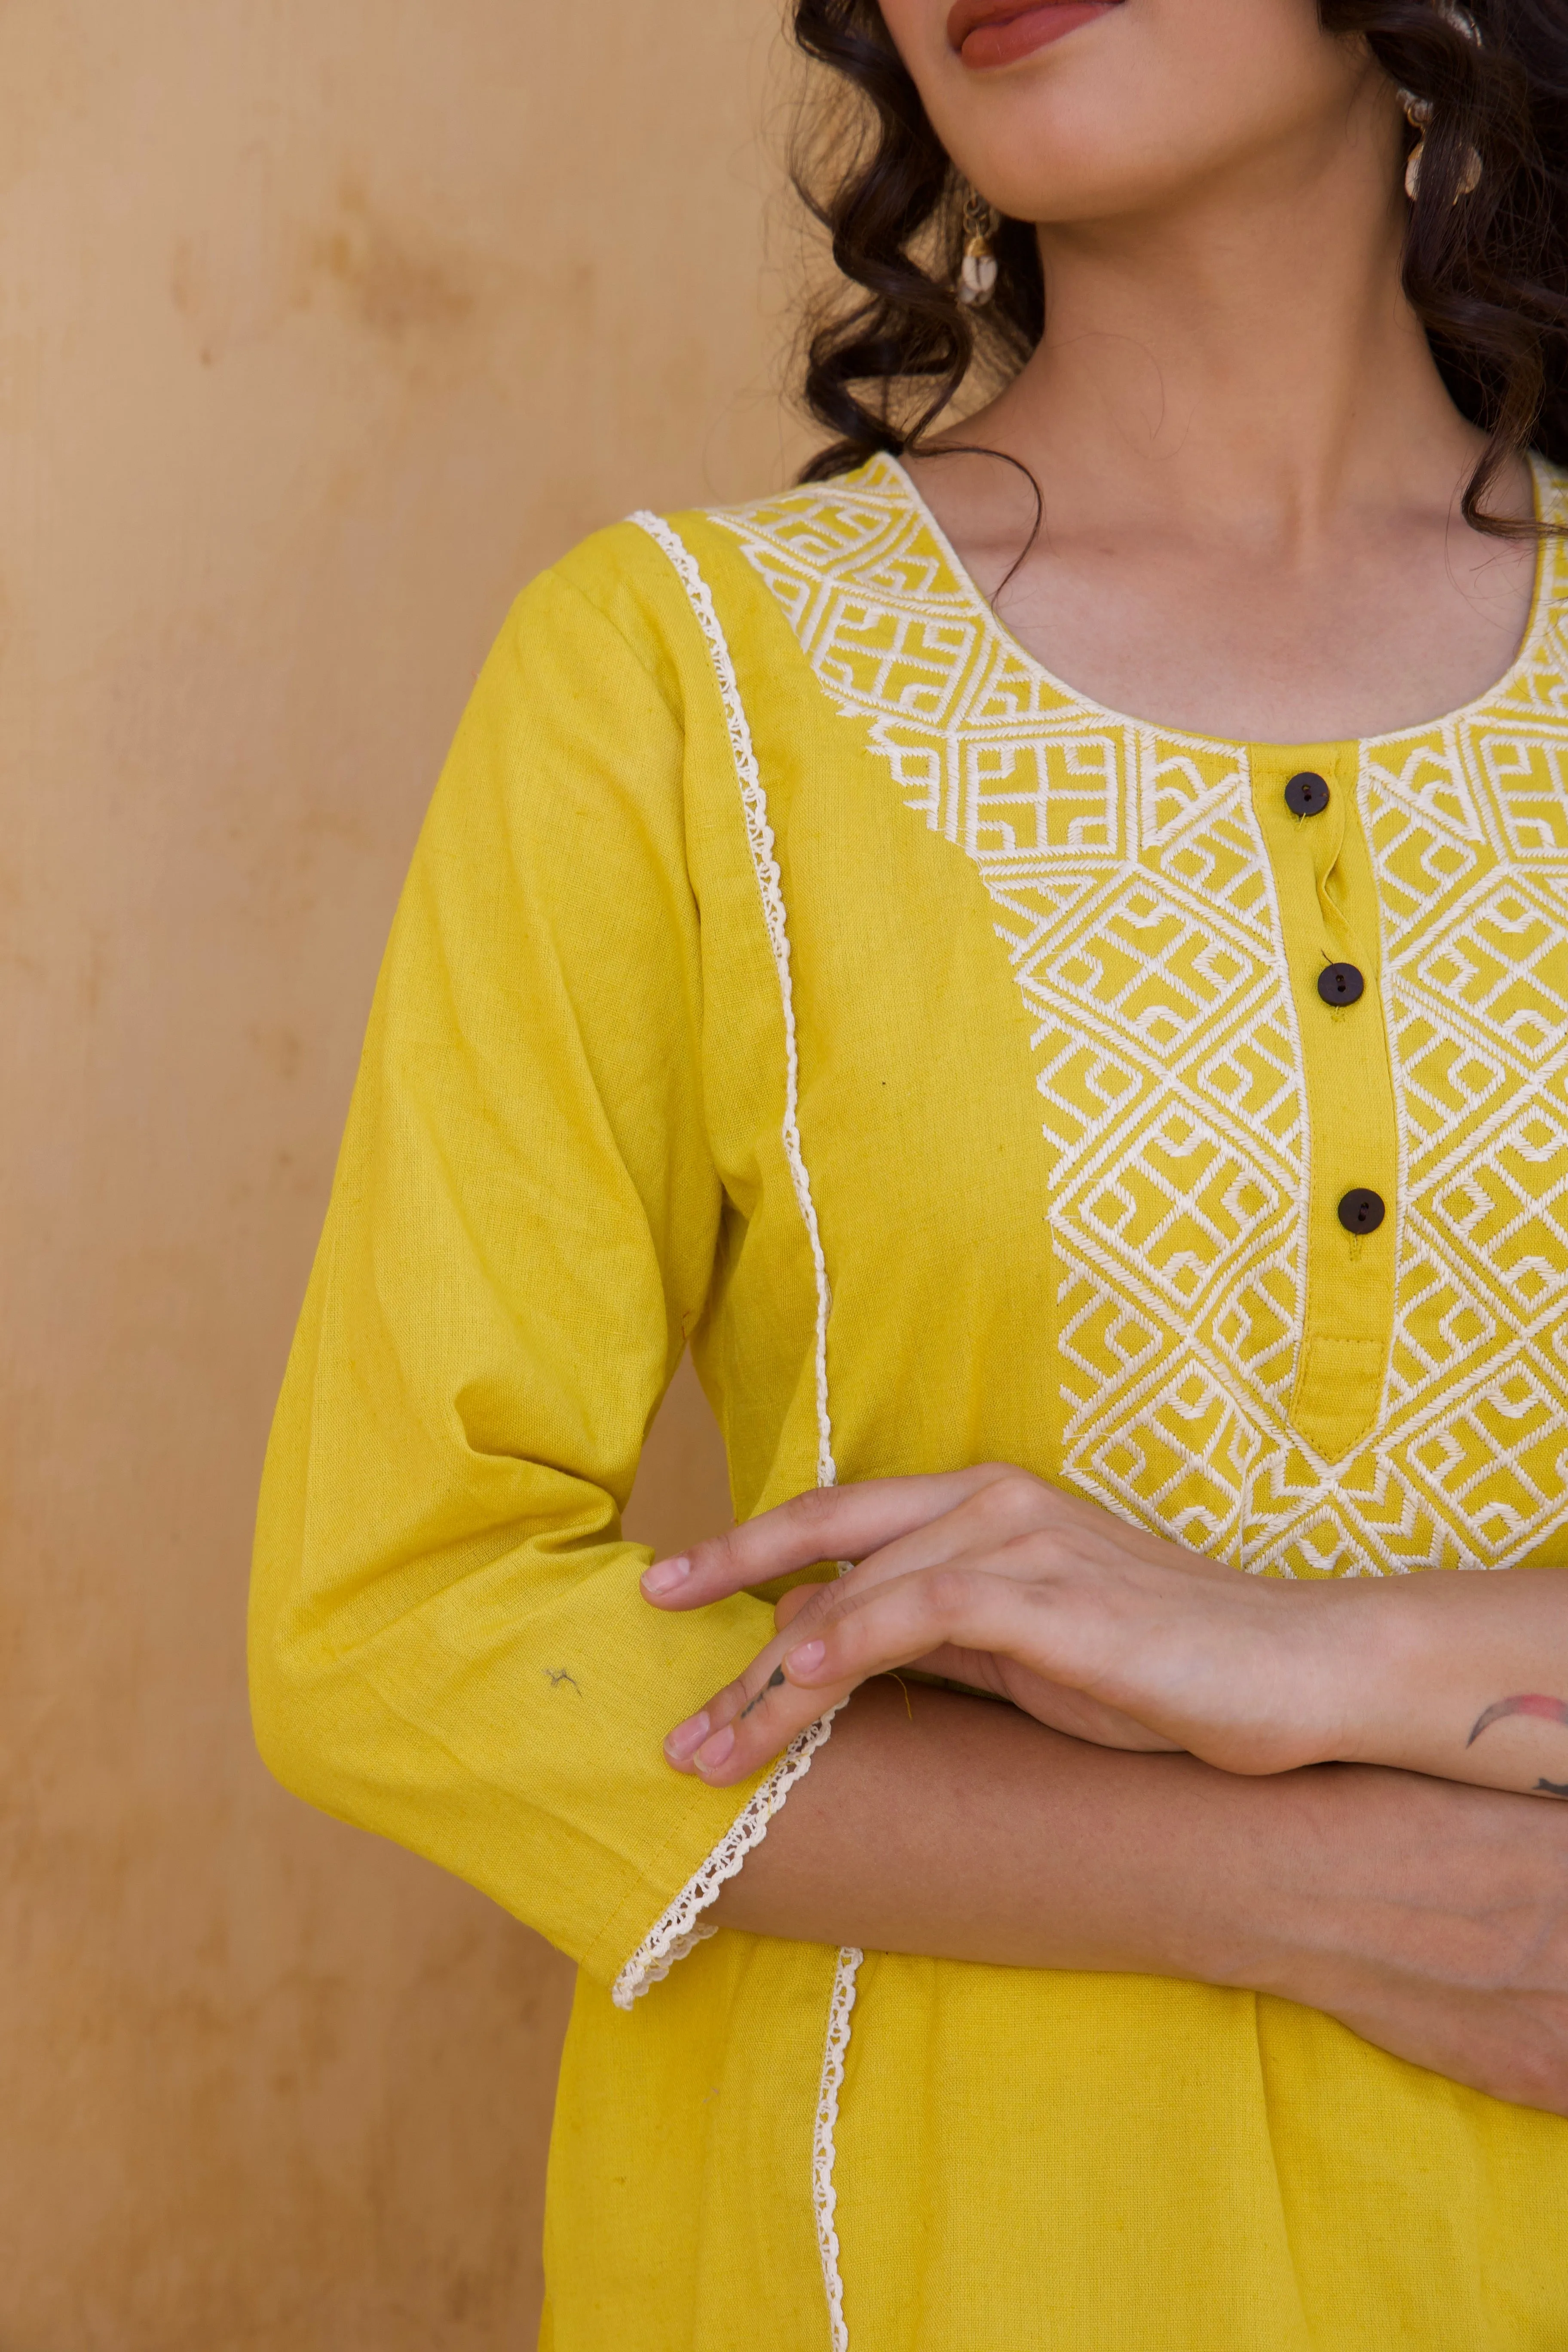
<point>1488,277</point>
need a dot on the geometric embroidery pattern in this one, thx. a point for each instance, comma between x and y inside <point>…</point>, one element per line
<point>1134,898</point>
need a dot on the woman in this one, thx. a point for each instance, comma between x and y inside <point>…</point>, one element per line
<point>1088,1155</point>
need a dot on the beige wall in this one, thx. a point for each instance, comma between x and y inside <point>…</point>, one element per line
<point>323,323</point>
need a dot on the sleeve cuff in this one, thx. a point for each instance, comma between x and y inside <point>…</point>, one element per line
<point>680,1928</point>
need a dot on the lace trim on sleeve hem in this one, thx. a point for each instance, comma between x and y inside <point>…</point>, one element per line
<point>679,1930</point>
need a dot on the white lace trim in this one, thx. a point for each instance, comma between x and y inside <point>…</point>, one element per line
<point>678,1931</point>
<point>759,834</point>
<point>824,2195</point>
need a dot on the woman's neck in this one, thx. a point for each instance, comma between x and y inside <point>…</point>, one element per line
<point>1245,364</point>
<point>1249,466</point>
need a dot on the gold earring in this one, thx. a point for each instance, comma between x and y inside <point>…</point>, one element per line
<point>1419,111</point>
<point>977,272</point>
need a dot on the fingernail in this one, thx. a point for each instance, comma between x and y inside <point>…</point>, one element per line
<point>807,1658</point>
<point>686,1737</point>
<point>717,1749</point>
<point>664,1576</point>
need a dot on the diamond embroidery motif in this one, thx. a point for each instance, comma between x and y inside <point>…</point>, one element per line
<point>1133,900</point>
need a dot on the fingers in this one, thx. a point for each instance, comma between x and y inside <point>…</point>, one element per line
<point>930,1611</point>
<point>901,1526</point>
<point>972,1563</point>
<point>798,1597</point>
<point>825,1523</point>
<point>749,1723</point>
<point>834,1640</point>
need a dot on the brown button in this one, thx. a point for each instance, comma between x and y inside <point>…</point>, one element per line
<point>1307,794</point>
<point>1340,984</point>
<point>1362,1213</point>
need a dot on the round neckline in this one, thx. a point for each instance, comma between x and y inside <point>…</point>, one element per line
<point>1233,746</point>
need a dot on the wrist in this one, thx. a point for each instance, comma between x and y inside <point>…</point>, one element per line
<point>1241,1887</point>
<point>1357,1658</point>
<point>1315,1865</point>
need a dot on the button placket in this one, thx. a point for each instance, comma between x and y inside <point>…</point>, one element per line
<point>1306,802</point>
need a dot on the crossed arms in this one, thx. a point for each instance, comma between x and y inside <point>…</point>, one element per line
<point>1310,1789</point>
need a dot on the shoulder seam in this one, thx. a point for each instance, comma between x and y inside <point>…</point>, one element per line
<point>558,578</point>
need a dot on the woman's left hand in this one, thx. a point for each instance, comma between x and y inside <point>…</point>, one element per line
<point>997,1580</point>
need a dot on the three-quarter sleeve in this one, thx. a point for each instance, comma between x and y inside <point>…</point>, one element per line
<point>447,1642</point>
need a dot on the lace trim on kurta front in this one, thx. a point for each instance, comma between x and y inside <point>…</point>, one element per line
<point>760,839</point>
<point>680,1930</point>
<point>824,2195</point>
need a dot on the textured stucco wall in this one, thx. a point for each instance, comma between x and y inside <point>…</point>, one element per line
<point>323,323</point>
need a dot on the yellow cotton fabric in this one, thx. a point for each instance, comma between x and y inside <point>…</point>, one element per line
<point>1072,1124</point>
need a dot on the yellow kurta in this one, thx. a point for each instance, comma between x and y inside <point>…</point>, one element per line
<point>793,967</point>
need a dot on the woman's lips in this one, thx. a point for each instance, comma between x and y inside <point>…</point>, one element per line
<point>995,32</point>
